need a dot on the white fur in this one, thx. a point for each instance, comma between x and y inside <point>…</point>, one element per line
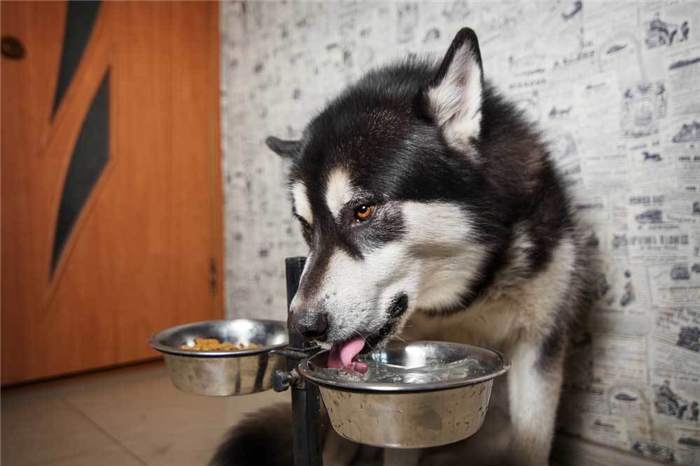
<point>533,400</point>
<point>455,102</point>
<point>352,293</point>
<point>442,252</point>
<point>511,312</point>
<point>520,250</point>
<point>338,191</point>
<point>432,264</point>
<point>302,206</point>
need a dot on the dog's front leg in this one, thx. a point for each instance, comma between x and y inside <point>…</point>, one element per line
<point>534,385</point>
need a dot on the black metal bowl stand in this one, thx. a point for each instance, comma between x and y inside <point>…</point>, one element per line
<point>307,421</point>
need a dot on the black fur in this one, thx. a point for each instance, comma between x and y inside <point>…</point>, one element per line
<point>553,345</point>
<point>464,38</point>
<point>263,438</point>
<point>399,306</point>
<point>285,149</point>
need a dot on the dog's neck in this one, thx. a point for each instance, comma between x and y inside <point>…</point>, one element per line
<point>510,308</point>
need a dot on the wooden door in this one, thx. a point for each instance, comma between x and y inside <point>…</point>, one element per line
<point>111,189</point>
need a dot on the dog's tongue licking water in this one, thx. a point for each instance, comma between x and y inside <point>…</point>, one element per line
<point>343,354</point>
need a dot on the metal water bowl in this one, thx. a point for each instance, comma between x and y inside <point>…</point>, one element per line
<point>422,394</point>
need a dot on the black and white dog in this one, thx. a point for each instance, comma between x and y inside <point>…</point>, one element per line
<point>432,211</point>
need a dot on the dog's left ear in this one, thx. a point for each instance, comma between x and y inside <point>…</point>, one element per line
<point>285,149</point>
<point>453,98</point>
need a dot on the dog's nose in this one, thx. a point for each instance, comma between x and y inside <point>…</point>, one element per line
<point>311,327</point>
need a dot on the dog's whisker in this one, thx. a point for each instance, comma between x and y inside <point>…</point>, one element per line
<point>364,338</point>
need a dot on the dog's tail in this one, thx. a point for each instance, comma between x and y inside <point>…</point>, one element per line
<point>262,438</point>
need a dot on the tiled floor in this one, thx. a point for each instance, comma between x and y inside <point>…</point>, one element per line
<point>124,417</point>
<point>135,417</point>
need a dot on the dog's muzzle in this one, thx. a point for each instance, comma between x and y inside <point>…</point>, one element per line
<point>310,325</point>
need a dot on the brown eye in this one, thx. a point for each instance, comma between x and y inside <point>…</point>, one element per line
<point>363,213</point>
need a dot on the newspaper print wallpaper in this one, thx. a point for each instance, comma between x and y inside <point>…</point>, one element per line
<point>615,87</point>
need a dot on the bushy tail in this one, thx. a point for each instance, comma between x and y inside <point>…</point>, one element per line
<point>263,438</point>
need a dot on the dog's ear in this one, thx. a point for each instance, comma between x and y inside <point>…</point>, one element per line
<point>285,149</point>
<point>453,98</point>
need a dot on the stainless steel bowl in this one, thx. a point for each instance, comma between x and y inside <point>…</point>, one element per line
<point>412,409</point>
<point>223,373</point>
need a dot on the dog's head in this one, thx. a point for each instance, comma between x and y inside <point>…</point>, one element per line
<point>387,187</point>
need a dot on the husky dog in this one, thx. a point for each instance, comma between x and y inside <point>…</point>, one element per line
<point>432,211</point>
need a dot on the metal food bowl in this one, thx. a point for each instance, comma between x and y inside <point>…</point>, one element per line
<point>223,373</point>
<point>415,395</point>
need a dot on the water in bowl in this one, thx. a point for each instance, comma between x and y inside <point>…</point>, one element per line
<point>380,372</point>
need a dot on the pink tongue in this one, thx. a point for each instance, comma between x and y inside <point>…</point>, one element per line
<point>342,356</point>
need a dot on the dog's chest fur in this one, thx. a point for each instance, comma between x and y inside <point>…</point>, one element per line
<point>511,312</point>
<point>481,328</point>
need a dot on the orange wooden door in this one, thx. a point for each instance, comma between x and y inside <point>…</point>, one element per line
<point>111,187</point>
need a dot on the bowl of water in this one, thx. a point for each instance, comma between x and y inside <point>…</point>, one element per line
<point>413,395</point>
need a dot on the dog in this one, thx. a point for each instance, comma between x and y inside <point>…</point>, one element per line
<point>432,211</point>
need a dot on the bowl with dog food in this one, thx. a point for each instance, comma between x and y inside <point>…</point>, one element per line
<point>222,357</point>
<point>408,395</point>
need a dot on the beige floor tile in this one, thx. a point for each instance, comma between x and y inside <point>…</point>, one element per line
<point>96,458</point>
<point>40,428</point>
<point>162,426</point>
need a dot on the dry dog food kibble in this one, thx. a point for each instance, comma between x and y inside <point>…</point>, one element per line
<point>213,344</point>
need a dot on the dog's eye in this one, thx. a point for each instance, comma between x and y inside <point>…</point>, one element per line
<point>306,230</point>
<point>363,213</point>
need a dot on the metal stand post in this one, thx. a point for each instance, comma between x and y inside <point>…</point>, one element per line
<point>306,400</point>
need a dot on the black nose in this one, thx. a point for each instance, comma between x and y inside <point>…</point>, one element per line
<point>311,327</point>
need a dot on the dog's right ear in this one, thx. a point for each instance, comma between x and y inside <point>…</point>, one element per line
<point>453,98</point>
<point>285,149</point>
